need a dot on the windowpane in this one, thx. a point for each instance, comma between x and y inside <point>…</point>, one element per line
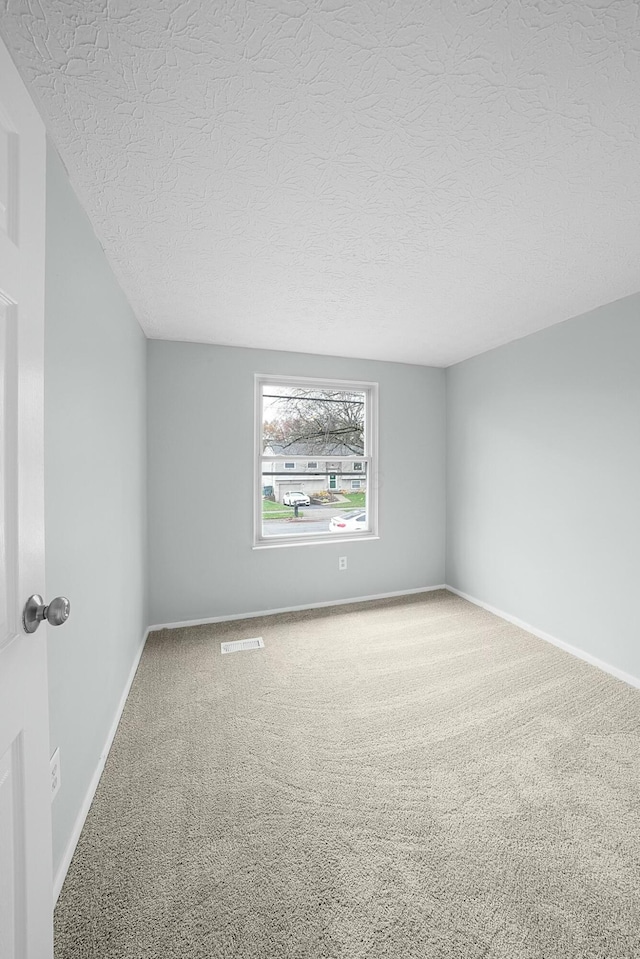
<point>312,422</point>
<point>314,457</point>
<point>327,503</point>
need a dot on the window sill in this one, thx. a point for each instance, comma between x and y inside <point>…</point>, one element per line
<point>315,541</point>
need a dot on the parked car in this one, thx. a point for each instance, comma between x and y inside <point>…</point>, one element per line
<point>296,498</point>
<point>348,522</point>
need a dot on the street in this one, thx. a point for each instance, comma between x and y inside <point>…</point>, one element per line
<point>315,519</point>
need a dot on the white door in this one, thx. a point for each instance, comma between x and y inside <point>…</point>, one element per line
<point>25,808</point>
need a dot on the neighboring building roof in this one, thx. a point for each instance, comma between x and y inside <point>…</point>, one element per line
<point>304,448</point>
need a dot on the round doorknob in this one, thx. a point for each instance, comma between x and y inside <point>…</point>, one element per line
<point>35,610</point>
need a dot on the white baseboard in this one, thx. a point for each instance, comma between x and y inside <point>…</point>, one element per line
<point>93,785</point>
<point>548,638</point>
<point>293,609</point>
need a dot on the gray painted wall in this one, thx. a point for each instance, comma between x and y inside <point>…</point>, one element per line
<point>543,466</point>
<point>201,428</point>
<point>543,502</point>
<point>95,492</point>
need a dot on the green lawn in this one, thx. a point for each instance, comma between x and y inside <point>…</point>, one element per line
<point>355,499</point>
<point>268,506</point>
<point>271,510</point>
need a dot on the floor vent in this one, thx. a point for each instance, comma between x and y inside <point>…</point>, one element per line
<point>241,644</point>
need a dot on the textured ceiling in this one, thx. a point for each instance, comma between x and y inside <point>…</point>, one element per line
<point>409,180</point>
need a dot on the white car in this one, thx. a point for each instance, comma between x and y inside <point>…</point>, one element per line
<point>349,522</point>
<point>295,498</point>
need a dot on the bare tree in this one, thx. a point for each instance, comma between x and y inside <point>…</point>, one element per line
<point>320,422</point>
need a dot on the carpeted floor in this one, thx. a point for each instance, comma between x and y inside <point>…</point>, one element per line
<point>406,778</point>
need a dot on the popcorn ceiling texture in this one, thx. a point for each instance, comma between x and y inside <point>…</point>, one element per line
<point>401,180</point>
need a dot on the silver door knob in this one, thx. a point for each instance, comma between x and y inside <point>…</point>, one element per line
<point>35,610</point>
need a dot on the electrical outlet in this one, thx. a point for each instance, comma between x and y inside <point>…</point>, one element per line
<point>54,766</point>
<point>342,562</point>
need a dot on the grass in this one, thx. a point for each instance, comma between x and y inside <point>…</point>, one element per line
<point>268,506</point>
<point>271,510</point>
<point>355,500</point>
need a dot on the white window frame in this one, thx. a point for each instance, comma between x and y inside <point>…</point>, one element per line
<point>370,458</point>
<point>356,485</point>
<point>289,465</point>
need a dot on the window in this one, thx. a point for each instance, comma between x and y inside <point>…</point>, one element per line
<point>333,421</point>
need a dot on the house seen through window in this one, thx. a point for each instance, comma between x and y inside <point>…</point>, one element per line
<point>315,460</point>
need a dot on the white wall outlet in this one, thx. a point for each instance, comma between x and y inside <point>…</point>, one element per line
<point>342,562</point>
<point>54,766</point>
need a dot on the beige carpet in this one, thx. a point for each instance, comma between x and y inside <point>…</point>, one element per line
<point>407,778</point>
